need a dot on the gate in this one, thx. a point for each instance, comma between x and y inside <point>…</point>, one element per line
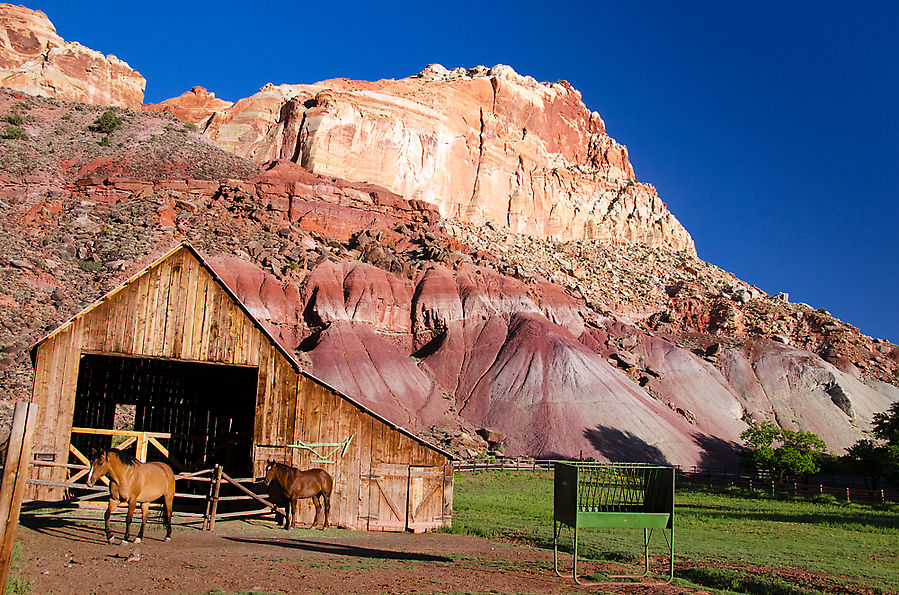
<point>397,497</point>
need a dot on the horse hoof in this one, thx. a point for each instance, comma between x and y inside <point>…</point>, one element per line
<point>137,540</point>
<point>167,539</point>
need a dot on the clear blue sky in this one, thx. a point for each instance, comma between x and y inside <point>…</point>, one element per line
<point>769,128</point>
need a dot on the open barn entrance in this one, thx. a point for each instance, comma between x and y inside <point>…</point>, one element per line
<point>208,408</point>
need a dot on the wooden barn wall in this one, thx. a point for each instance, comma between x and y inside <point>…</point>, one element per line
<point>309,413</point>
<point>176,309</point>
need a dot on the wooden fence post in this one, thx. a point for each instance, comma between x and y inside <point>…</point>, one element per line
<point>15,474</point>
<point>215,496</point>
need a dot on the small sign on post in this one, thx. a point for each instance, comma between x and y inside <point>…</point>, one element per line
<point>15,474</point>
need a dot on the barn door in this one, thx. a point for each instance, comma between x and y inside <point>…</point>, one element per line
<point>387,488</point>
<point>426,504</point>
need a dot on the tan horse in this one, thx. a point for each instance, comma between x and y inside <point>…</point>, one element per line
<point>133,482</point>
<point>312,483</point>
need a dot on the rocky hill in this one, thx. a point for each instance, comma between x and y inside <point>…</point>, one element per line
<point>480,145</point>
<point>37,61</point>
<point>594,330</point>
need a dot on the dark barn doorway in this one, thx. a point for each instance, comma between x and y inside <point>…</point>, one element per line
<point>208,408</point>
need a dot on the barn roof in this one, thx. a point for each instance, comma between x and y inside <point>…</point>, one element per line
<point>185,245</point>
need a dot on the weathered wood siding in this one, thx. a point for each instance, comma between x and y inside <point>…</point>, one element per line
<point>177,309</point>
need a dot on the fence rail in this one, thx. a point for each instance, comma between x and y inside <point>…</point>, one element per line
<point>80,494</point>
<point>842,488</point>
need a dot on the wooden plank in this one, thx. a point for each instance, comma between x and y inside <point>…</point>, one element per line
<point>48,412</point>
<point>200,324</point>
<point>15,474</point>
<point>152,306</point>
<point>174,306</point>
<point>64,409</point>
<point>177,307</point>
<point>209,305</point>
<point>347,466</point>
<point>289,403</point>
<point>218,330</point>
<point>259,434</point>
<point>299,429</point>
<point>139,322</point>
<point>190,278</point>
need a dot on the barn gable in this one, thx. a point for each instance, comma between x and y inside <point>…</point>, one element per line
<point>174,347</point>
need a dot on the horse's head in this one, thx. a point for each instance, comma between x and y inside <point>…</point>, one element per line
<point>99,467</point>
<point>269,471</point>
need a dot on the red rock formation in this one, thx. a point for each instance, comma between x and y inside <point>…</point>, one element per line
<point>195,106</point>
<point>482,145</point>
<point>37,61</point>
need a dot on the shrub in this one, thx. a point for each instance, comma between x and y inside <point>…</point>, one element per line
<point>13,133</point>
<point>15,118</point>
<point>108,122</point>
<point>104,142</point>
<point>190,127</point>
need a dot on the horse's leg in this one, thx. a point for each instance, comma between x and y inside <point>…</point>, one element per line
<point>143,521</point>
<point>318,509</point>
<point>169,498</point>
<point>294,511</point>
<point>327,498</point>
<point>132,503</point>
<point>112,506</point>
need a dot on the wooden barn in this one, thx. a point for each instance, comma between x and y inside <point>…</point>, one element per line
<point>174,354</point>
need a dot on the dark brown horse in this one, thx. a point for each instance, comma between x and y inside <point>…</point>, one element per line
<point>312,483</point>
<point>132,482</point>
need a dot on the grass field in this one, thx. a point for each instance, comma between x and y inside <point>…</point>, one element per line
<point>734,542</point>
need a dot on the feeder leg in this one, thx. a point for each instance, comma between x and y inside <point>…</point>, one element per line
<point>574,564</point>
<point>671,558</point>
<point>646,535</point>
<point>557,527</point>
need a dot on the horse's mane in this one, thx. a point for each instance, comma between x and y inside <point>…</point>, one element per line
<point>125,457</point>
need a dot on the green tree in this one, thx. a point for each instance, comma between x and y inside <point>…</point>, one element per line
<point>785,453</point>
<point>866,458</point>
<point>886,424</point>
<point>875,460</point>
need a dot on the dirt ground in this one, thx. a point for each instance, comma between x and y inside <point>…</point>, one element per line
<point>67,553</point>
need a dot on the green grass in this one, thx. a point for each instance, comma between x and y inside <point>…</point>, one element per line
<point>848,543</point>
<point>15,583</point>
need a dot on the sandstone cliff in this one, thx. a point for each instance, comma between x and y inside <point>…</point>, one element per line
<point>482,145</point>
<point>37,61</point>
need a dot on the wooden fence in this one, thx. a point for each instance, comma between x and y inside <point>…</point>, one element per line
<point>198,502</point>
<point>847,491</point>
<point>198,493</point>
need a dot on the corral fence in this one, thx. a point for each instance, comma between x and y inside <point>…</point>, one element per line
<point>839,487</point>
<point>203,495</point>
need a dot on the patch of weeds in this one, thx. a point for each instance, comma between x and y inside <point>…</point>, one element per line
<point>67,117</point>
<point>13,133</point>
<point>104,142</point>
<point>190,127</point>
<point>738,581</point>
<point>15,583</point>
<point>90,265</point>
<point>14,118</point>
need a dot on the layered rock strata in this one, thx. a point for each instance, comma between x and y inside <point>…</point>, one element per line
<point>37,61</point>
<point>482,145</point>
